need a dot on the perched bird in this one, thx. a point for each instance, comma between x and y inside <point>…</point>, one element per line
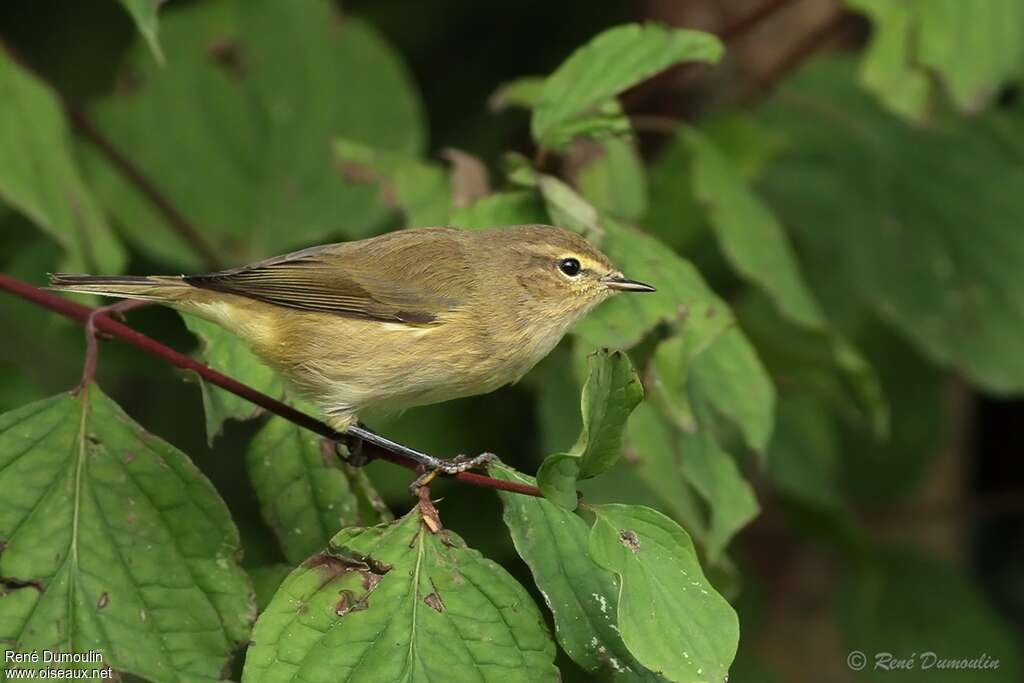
<point>408,318</point>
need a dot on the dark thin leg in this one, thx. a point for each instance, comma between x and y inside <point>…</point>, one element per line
<point>434,465</point>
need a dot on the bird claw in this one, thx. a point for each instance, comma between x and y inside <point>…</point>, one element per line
<point>461,463</point>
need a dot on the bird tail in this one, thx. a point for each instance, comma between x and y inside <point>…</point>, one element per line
<point>166,288</point>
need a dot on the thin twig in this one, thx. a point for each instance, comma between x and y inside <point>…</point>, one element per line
<point>92,351</point>
<point>132,173</point>
<point>81,314</point>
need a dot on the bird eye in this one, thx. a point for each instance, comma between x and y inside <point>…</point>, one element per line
<point>569,266</point>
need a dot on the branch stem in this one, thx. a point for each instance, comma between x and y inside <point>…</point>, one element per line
<point>103,323</point>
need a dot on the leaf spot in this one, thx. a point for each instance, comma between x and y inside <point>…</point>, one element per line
<point>228,55</point>
<point>350,603</point>
<point>629,539</point>
<point>434,601</point>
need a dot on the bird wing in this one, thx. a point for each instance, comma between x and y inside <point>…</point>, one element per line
<point>411,276</point>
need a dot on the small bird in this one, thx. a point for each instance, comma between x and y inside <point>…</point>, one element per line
<point>408,318</point>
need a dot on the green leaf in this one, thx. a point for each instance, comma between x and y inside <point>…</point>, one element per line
<point>306,493</point>
<point>582,596</point>
<point>910,605</point>
<point>670,617</point>
<point>419,189</point>
<point>803,460</point>
<point>673,214</point>
<point>730,377</point>
<point>228,354</point>
<point>667,376</point>
<point>881,215</point>
<point>653,455</point>
<point>826,366</point>
<point>113,540</point>
<point>610,394</point>
<point>557,477</point>
<point>523,92</point>
<point>38,176</point>
<point>750,236</point>
<point>759,250</point>
<point>144,14</point>
<point>252,96</point>
<point>569,210</point>
<point>612,62</point>
<point>682,297</point>
<point>713,473</point>
<point>503,208</point>
<point>615,181</point>
<point>974,48</point>
<point>396,602</point>
<point>878,472</point>
<point>886,68</point>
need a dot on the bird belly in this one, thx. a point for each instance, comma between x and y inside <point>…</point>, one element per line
<point>351,366</point>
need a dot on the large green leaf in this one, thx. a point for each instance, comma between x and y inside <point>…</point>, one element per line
<point>911,607</point>
<point>397,602</point>
<point>612,62</point>
<point>670,617</point>
<point>714,474</point>
<point>503,208</point>
<point>236,130</point>
<point>307,495</point>
<point>881,212</point>
<point>614,180</point>
<point>654,455</point>
<point>803,460</point>
<point>419,189</point>
<point>112,540</point>
<point>677,445</point>
<point>682,297</point>
<point>748,232</point>
<point>144,14</point>
<point>974,48</point>
<point>610,394</point>
<point>38,176</point>
<point>729,376</point>
<point>582,596</point>
<point>228,354</point>
<point>759,250</point>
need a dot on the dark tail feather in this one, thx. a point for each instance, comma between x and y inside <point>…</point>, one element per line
<point>154,288</point>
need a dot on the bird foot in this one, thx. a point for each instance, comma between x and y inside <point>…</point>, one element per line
<point>459,463</point>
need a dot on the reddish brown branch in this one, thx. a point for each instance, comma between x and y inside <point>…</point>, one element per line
<point>813,42</point>
<point>104,324</point>
<point>739,27</point>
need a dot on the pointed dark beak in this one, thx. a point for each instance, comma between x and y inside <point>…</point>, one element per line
<point>616,281</point>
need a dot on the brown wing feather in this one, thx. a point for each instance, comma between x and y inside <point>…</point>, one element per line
<point>391,278</point>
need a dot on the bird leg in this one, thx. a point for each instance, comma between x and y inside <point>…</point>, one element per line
<point>434,466</point>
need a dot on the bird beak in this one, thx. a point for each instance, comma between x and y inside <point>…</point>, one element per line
<point>620,283</point>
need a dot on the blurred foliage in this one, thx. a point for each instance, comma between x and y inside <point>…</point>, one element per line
<point>837,267</point>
